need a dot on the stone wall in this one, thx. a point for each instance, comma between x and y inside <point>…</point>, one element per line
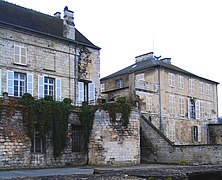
<point>111,143</point>
<point>215,133</point>
<point>156,148</point>
<point>15,145</point>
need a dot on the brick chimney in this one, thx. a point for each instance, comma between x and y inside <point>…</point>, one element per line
<point>68,24</point>
<point>143,57</point>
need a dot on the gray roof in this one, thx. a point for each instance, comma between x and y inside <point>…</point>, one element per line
<point>30,20</point>
<point>150,63</point>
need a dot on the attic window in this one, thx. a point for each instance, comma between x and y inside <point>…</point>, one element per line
<point>134,66</point>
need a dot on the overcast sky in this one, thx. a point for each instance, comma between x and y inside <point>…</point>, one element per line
<point>188,31</point>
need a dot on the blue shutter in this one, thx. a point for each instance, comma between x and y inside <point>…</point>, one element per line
<point>30,84</point>
<point>188,108</point>
<point>80,93</point>
<point>10,82</point>
<point>58,89</point>
<point>40,87</point>
<point>91,97</point>
<point>0,82</point>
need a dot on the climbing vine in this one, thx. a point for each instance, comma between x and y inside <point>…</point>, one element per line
<point>51,117</point>
<point>47,115</point>
<point>120,106</point>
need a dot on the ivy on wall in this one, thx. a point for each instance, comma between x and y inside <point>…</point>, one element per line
<point>48,116</point>
<point>51,117</point>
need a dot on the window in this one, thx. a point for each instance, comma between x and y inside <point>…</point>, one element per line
<point>196,133</point>
<point>202,109</point>
<point>140,77</point>
<point>181,106</point>
<point>191,86</point>
<point>49,87</point>
<point>191,109</point>
<point>148,104</point>
<point>209,109</point>
<point>172,104</point>
<point>171,79</point>
<point>181,82</point>
<point>208,89</point>
<point>171,131</point>
<point>201,87</point>
<point>20,55</point>
<point>102,87</point>
<point>194,109</point>
<point>19,83</point>
<point>77,138</point>
<point>37,145</point>
<point>119,83</point>
<point>86,93</point>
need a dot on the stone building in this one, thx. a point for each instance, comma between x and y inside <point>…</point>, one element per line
<point>46,55</point>
<point>179,103</point>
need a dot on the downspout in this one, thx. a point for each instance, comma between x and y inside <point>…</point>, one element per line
<point>75,78</point>
<point>160,101</point>
<point>217,102</point>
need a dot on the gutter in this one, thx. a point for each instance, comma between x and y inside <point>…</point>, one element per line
<point>160,101</point>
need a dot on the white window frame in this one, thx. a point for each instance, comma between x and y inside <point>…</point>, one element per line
<point>86,93</point>
<point>201,87</point>
<point>20,53</point>
<point>140,77</point>
<point>208,89</point>
<point>148,103</point>
<point>57,87</point>
<point>119,83</point>
<point>180,82</point>
<point>171,79</point>
<point>191,86</point>
<point>10,83</point>
<point>196,133</point>
<point>202,109</point>
<point>172,104</point>
<point>197,109</point>
<point>181,106</point>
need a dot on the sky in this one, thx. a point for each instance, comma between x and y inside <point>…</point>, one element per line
<point>187,31</point>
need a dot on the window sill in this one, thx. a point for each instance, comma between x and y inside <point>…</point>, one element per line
<point>18,64</point>
<point>50,70</point>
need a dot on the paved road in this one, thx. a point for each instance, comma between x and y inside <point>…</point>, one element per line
<point>45,172</point>
<point>97,172</point>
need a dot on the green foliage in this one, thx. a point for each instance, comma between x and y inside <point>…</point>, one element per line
<point>86,117</point>
<point>120,106</point>
<point>47,115</point>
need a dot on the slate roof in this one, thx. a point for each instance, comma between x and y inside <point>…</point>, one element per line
<point>28,19</point>
<point>150,63</point>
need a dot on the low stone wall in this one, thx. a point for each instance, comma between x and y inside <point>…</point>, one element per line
<point>158,149</point>
<point>15,145</point>
<point>111,143</point>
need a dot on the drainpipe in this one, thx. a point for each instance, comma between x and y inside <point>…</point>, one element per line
<point>75,78</point>
<point>160,101</point>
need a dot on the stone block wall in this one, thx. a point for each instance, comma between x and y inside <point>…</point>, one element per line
<point>15,145</point>
<point>159,149</point>
<point>111,143</point>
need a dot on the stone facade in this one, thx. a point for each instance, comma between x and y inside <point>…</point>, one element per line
<point>113,144</point>
<point>156,148</point>
<point>47,63</point>
<point>177,102</point>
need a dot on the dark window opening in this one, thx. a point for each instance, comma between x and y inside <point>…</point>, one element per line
<point>77,138</point>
